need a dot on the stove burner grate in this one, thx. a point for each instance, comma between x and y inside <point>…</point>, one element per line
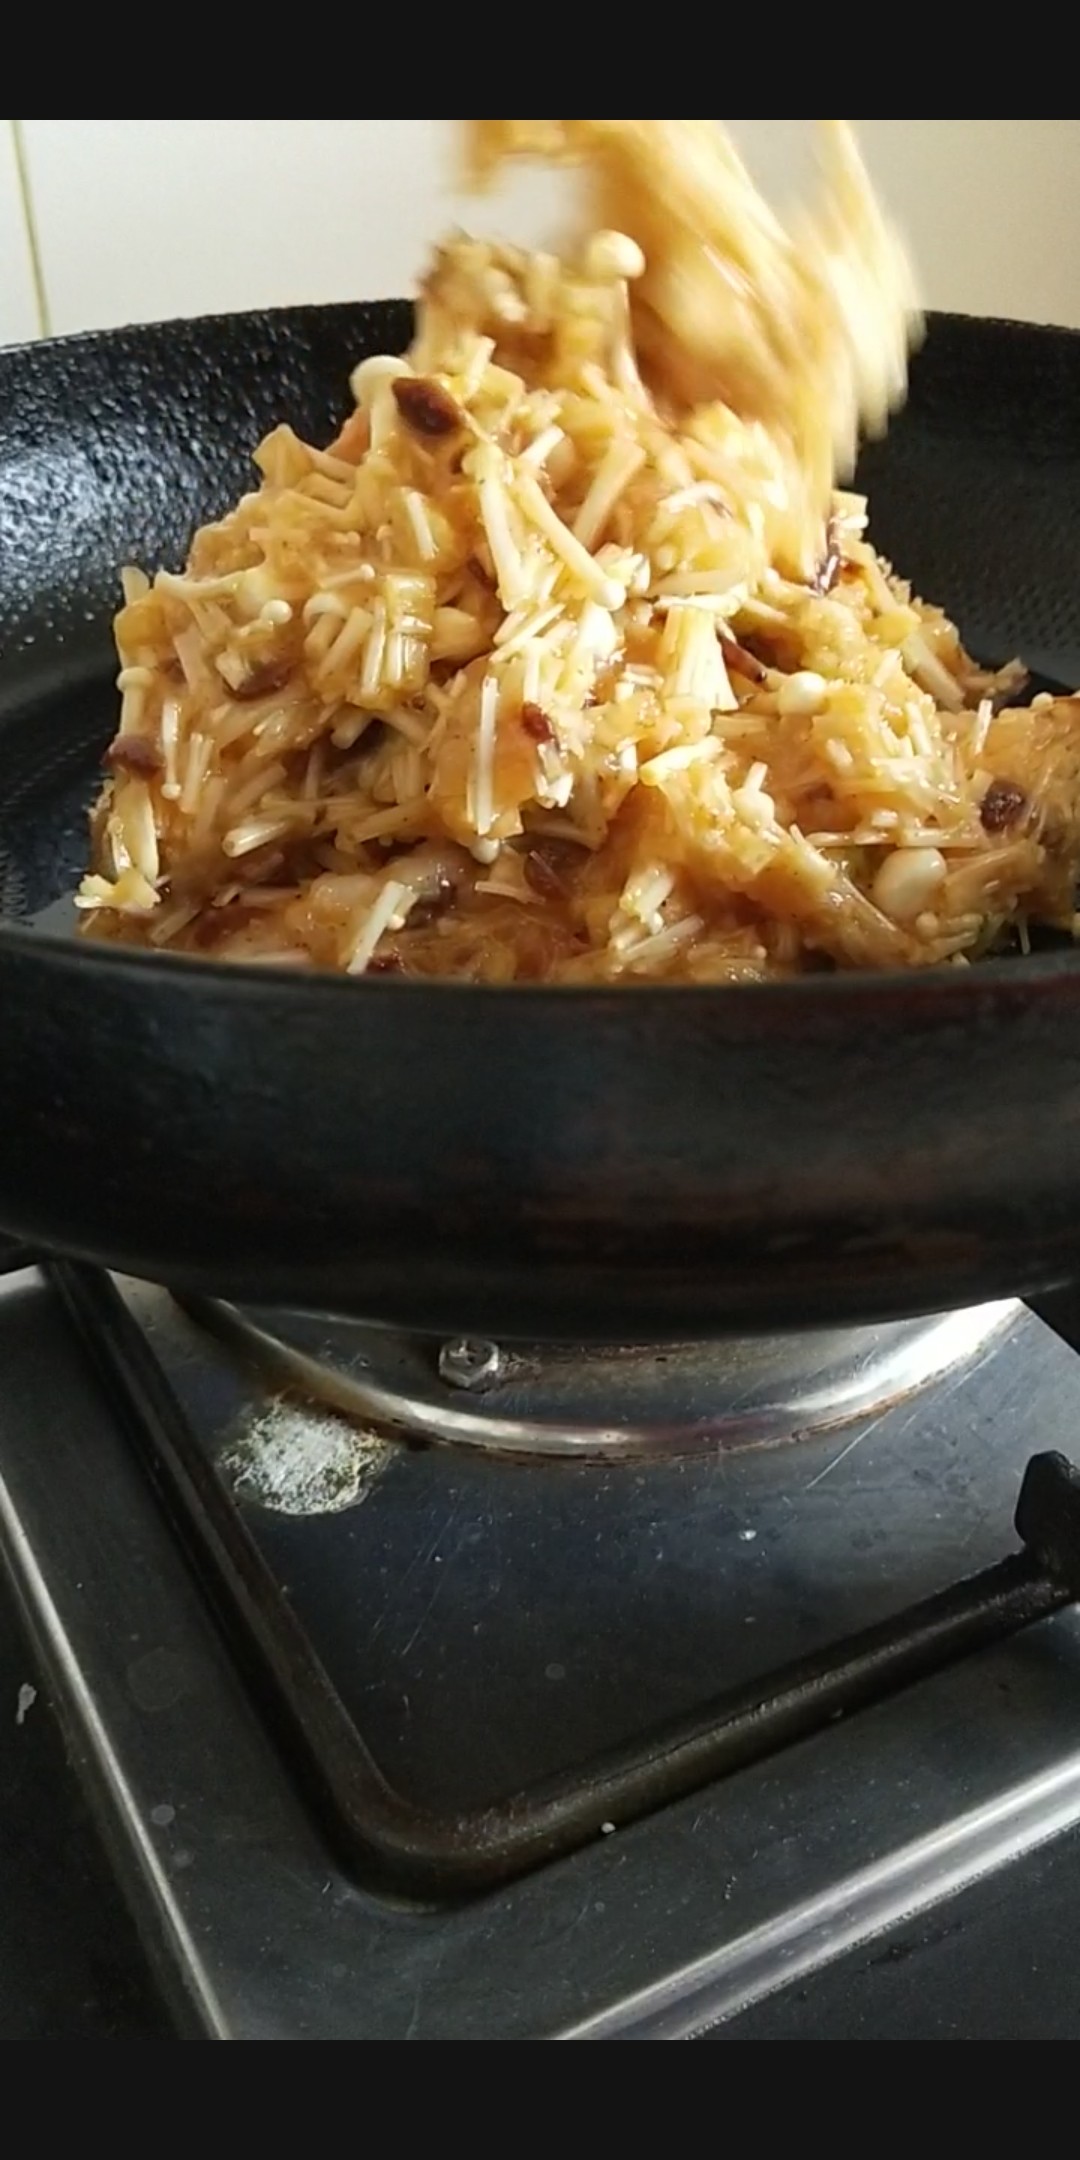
<point>446,1857</point>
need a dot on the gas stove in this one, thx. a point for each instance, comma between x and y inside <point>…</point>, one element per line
<point>480,1691</point>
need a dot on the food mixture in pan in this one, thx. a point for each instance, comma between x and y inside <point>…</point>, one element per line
<point>569,661</point>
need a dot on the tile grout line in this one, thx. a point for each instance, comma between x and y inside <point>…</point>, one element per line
<point>26,196</point>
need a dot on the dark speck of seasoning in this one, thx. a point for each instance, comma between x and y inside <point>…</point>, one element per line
<point>264,680</point>
<point>219,923</point>
<point>536,724</point>
<point>828,576</point>
<point>1003,807</point>
<point>743,662</point>
<point>481,573</point>
<point>433,904</point>
<point>831,568</point>
<point>388,964</point>
<point>427,408</point>
<point>135,755</point>
<point>542,877</point>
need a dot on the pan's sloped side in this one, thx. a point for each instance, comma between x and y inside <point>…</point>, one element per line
<point>115,448</point>
<point>652,1165</point>
<point>975,494</point>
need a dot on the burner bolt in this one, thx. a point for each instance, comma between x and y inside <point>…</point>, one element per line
<point>470,1366</point>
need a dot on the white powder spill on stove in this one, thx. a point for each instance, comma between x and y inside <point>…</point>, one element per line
<point>296,1460</point>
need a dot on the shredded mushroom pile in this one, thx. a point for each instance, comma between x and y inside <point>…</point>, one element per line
<point>570,659</point>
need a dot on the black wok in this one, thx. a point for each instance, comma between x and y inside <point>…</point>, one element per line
<point>642,1163</point>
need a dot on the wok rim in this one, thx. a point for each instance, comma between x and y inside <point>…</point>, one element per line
<point>1013,978</point>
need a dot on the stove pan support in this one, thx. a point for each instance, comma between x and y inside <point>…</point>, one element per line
<point>389,1842</point>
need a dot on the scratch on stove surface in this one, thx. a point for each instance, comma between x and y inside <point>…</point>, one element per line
<point>433,1557</point>
<point>574,1926</point>
<point>423,1559</point>
<point>839,1460</point>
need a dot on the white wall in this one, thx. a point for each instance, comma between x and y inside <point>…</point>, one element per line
<point>992,207</point>
<point>140,219</point>
<point>18,311</point>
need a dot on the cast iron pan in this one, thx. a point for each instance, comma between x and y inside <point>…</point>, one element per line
<point>642,1163</point>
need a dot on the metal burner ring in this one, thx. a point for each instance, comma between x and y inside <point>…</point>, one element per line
<point>564,1401</point>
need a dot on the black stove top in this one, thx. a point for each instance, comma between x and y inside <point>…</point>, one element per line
<point>394,1742</point>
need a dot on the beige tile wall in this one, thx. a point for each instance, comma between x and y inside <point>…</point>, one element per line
<point>143,219</point>
<point>148,218</point>
<point>992,207</point>
<point>18,311</point>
